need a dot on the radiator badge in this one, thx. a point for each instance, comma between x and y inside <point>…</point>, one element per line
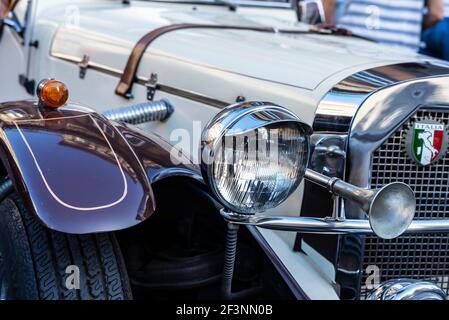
<point>426,141</point>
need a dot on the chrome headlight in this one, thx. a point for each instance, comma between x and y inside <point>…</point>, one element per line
<point>254,155</point>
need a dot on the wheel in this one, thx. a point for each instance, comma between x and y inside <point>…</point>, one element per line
<point>39,263</point>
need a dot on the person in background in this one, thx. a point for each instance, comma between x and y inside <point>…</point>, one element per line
<point>436,30</point>
<point>334,10</point>
<point>414,24</point>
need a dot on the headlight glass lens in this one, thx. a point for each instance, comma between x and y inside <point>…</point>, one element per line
<point>258,169</point>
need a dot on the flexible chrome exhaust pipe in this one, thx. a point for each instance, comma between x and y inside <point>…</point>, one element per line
<point>159,110</point>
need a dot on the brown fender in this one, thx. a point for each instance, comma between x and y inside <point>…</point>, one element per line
<point>74,169</point>
<point>156,156</point>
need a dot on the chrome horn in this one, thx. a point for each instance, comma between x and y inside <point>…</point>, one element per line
<point>390,209</point>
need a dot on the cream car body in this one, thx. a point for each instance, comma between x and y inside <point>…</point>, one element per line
<point>295,71</point>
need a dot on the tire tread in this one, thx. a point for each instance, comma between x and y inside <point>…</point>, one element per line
<point>98,257</point>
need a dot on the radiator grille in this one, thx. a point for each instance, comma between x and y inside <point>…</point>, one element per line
<point>415,256</point>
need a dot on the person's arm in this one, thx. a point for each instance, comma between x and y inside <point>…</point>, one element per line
<point>435,13</point>
<point>330,11</point>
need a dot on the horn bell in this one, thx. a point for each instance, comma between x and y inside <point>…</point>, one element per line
<point>392,209</point>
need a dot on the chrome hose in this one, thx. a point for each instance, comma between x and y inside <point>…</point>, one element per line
<point>229,261</point>
<point>159,110</point>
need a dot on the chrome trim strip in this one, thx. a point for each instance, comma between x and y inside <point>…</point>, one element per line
<point>190,95</point>
<point>328,225</point>
<point>340,104</point>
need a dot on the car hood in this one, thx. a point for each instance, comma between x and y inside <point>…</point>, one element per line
<point>106,32</point>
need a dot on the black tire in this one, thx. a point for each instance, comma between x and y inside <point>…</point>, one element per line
<point>34,259</point>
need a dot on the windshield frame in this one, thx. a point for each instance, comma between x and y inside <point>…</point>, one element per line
<point>242,3</point>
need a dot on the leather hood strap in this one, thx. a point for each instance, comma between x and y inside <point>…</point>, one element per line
<point>129,74</point>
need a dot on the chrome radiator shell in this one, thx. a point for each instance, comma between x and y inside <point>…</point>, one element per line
<point>419,256</point>
<point>374,104</point>
<point>381,116</point>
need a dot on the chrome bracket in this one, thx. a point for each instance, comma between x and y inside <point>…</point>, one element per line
<point>151,86</point>
<point>240,99</point>
<point>28,84</point>
<point>83,65</point>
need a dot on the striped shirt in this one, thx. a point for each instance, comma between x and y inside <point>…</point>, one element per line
<point>392,22</point>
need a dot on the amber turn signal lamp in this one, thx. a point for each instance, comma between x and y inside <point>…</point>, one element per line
<point>52,93</point>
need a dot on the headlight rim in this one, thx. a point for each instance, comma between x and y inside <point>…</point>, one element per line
<point>232,114</point>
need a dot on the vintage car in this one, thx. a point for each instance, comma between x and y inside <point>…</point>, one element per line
<point>189,122</point>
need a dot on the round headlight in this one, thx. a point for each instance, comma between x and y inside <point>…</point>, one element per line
<point>254,155</point>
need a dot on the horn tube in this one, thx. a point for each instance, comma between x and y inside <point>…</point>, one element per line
<point>390,209</point>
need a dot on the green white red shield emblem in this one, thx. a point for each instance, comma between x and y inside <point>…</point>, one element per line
<point>426,141</point>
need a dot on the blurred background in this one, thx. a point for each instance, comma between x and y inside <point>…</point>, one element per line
<point>418,25</point>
